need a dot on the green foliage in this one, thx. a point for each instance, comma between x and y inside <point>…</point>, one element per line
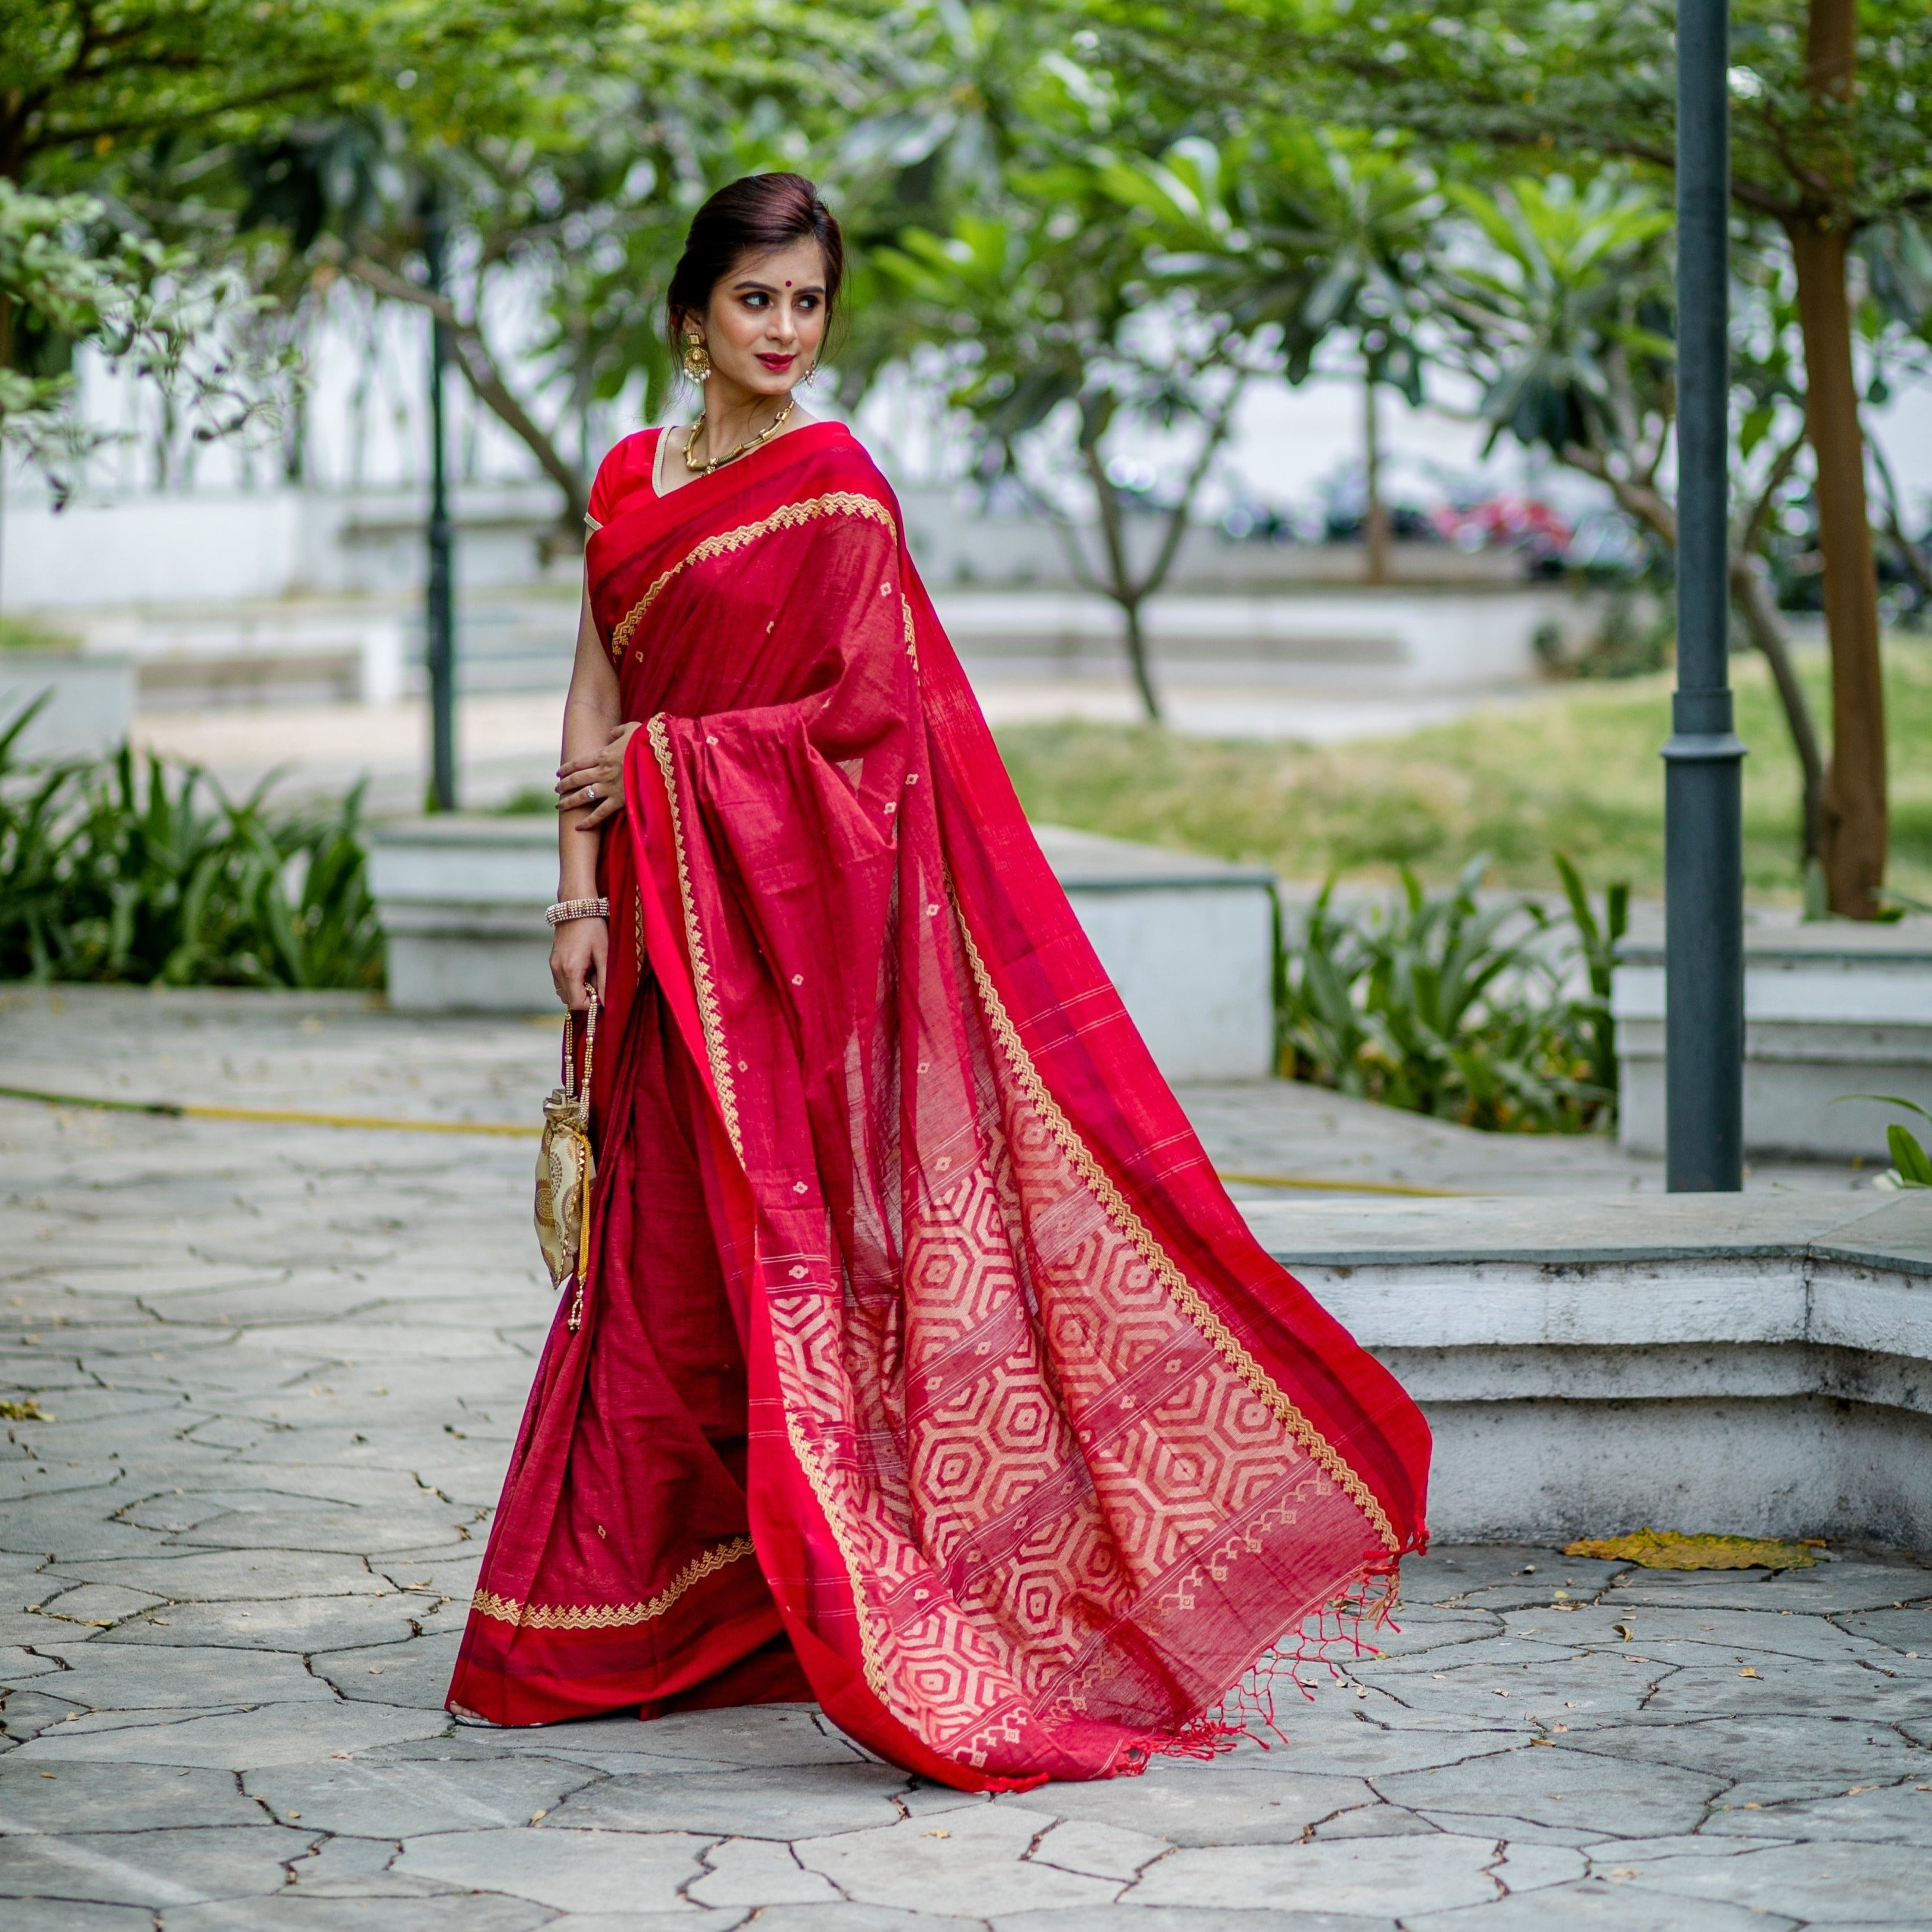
<point>1441,1005</point>
<point>1549,78</point>
<point>1597,942</point>
<point>68,275</point>
<point>1568,293</point>
<point>1909,1163</point>
<point>128,870</point>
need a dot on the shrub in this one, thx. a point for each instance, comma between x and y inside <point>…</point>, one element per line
<point>136,870</point>
<point>1439,1004</point>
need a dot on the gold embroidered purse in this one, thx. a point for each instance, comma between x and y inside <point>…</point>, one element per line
<point>566,1167</point>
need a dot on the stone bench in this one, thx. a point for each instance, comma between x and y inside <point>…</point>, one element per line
<point>1756,1364</point>
<point>1189,941</point>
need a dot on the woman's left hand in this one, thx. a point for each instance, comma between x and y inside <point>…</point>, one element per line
<point>596,782</point>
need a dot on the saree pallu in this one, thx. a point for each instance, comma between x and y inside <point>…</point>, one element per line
<point>925,1368</point>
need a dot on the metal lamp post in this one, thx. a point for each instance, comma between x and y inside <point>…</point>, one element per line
<point>441,652</point>
<point>1703,812</point>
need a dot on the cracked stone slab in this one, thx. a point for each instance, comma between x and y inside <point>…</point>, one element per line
<point>391,1798</point>
<point>154,1869</point>
<point>293,1911</point>
<point>765,1801</point>
<point>118,1797</point>
<point>757,1872</point>
<point>98,1606</point>
<point>758,1734</point>
<point>1567,1788</point>
<point>1785,1685</point>
<point>1596,1905</point>
<point>1803,1756</point>
<point>106,1677</point>
<point>1100,1850</point>
<point>710,1918</point>
<point>1360,1748</point>
<point>1366,1876</point>
<point>1830,1589</point>
<point>1597,1684</point>
<point>1895,1814</point>
<point>68,1914</point>
<point>1187,1918</point>
<point>242,1574</point>
<point>1898,1630</point>
<point>1842,1883</point>
<point>571,1871</point>
<point>1216,1804</point>
<point>236,1741</point>
<point>933,1865</point>
<point>1678,1635</point>
<point>299,1624</point>
<point>416,1673</point>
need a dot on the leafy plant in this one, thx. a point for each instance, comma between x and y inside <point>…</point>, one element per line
<point>122,869</point>
<point>1597,941</point>
<point>1911,1165</point>
<point>1439,1004</point>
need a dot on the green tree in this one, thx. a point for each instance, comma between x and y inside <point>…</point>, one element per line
<point>68,277</point>
<point>1831,104</point>
<point>1560,307</point>
<point>1068,318</point>
<point>1341,242</point>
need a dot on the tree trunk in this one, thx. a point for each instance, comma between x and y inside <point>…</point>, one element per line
<point>1756,606</point>
<point>486,383</point>
<point>1377,516</point>
<point>1135,639</point>
<point>1855,787</point>
<point>1855,828</point>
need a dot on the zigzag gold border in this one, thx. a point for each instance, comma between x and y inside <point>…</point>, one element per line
<point>834,503</point>
<point>610,1616</point>
<point>1176,1284</point>
<point>708,1013</point>
<point>807,1453</point>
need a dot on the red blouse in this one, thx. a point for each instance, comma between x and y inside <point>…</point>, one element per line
<point>625,471</point>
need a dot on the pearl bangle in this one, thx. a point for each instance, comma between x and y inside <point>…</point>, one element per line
<point>568,909</point>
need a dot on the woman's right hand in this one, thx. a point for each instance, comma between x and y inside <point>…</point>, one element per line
<point>578,952</point>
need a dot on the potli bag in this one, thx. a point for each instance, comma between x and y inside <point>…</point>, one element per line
<point>566,1167</point>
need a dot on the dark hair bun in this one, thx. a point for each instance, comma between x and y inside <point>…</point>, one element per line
<point>756,215</point>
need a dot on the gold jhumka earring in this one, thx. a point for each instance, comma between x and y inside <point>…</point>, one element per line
<point>697,359</point>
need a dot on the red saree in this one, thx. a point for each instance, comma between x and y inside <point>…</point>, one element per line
<point>924,1368</point>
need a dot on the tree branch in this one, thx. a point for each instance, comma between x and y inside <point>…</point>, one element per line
<point>1219,426</point>
<point>480,370</point>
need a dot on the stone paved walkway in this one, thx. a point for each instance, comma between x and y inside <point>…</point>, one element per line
<point>268,1378</point>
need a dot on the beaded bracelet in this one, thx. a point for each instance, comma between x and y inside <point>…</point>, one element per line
<point>566,909</point>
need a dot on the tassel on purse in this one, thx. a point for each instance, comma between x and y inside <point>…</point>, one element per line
<point>566,1167</point>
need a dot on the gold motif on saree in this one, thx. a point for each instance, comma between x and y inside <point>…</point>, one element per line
<point>1185,1295</point>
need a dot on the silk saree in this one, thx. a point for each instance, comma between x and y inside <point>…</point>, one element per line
<point>921,1366</point>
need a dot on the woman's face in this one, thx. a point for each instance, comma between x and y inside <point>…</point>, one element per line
<point>766,323</point>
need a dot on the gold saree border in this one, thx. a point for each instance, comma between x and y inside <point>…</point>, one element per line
<point>708,1013</point>
<point>805,1452</point>
<point>788,516</point>
<point>1183,1292</point>
<point>710,1017</point>
<point>610,1616</point>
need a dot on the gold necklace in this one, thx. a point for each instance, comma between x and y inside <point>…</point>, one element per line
<point>745,448</point>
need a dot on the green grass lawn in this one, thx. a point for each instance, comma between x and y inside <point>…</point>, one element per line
<point>1577,771</point>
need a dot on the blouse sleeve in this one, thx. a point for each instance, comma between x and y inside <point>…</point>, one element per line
<point>626,469</point>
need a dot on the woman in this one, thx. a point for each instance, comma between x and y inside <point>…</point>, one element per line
<point>923,1367</point>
